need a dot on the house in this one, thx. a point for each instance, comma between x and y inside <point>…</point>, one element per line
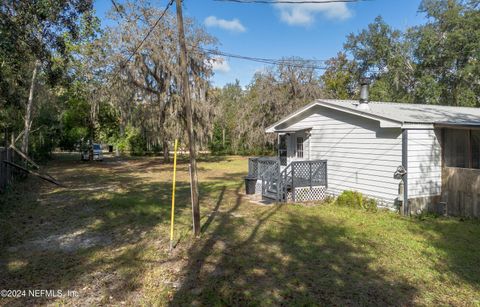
<point>424,156</point>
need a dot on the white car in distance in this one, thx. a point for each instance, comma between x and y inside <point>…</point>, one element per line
<point>97,152</point>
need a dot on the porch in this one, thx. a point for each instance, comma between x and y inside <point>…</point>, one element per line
<point>299,181</point>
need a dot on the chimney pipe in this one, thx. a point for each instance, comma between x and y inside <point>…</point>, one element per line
<point>364,83</point>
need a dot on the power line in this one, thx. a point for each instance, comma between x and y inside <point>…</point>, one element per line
<point>116,8</point>
<point>291,1</point>
<point>299,63</point>
<point>170,3</point>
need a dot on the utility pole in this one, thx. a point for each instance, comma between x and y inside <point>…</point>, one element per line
<point>188,112</point>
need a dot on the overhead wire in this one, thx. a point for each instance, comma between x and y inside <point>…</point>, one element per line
<point>290,62</point>
<point>170,3</point>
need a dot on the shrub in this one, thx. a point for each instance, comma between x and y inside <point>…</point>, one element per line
<point>357,200</point>
<point>137,143</point>
<point>370,204</point>
<point>133,142</point>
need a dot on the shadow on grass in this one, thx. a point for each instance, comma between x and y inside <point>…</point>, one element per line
<point>87,236</point>
<point>297,260</point>
<point>214,212</point>
<point>457,239</point>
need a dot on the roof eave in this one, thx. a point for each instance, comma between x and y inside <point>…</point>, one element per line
<point>384,121</point>
<point>271,128</point>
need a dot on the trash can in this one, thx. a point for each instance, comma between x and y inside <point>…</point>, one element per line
<point>250,183</point>
<point>110,148</point>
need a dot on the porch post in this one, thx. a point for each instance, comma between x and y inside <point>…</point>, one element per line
<point>278,147</point>
<point>279,180</point>
<point>293,181</point>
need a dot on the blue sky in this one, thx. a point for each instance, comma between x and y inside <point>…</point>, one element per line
<point>314,31</point>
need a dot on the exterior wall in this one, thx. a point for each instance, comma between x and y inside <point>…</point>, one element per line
<point>424,164</point>
<point>461,191</point>
<point>361,155</point>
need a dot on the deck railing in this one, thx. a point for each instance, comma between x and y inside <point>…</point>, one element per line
<point>298,174</point>
<point>309,173</point>
<point>258,166</point>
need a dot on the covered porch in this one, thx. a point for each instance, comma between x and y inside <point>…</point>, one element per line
<point>293,145</point>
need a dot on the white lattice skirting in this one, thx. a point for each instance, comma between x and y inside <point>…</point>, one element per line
<point>308,194</point>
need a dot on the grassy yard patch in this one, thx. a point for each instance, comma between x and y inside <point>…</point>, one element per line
<point>107,238</point>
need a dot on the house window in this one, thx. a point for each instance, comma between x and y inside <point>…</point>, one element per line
<point>299,147</point>
<point>462,148</point>
<point>456,148</point>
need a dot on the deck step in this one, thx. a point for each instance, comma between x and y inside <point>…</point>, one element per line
<point>270,195</point>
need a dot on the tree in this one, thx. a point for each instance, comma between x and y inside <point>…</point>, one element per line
<point>273,93</point>
<point>229,104</point>
<point>340,79</point>
<point>42,31</point>
<point>447,49</point>
<point>153,76</point>
<point>383,54</point>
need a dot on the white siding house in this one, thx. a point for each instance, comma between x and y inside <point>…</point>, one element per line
<point>361,156</point>
<point>364,144</point>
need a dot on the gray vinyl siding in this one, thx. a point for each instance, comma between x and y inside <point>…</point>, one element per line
<point>424,163</point>
<point>361,155</point>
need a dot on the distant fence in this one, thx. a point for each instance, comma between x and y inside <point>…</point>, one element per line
<point>6,171</point>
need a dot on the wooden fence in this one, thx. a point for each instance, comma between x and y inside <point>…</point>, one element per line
<point>6,171</point>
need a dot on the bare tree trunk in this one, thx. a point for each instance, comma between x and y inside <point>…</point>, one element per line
<point>189,119</point>
<point>166,156</point>
<point>28,113</point>
<point>94,109</point>
<point>223,138</point>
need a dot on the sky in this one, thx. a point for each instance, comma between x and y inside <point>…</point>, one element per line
<point>311,31</point>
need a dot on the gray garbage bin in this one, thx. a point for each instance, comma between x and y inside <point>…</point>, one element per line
<point>250,183</point>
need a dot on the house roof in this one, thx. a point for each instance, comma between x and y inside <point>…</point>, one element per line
<point>391,114</point>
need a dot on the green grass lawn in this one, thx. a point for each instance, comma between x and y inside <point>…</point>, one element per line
<point>106,237</point>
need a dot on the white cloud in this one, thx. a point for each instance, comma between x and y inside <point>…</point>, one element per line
<point>220,65</point>
<point>304,14</point>
<point>233,25</point>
